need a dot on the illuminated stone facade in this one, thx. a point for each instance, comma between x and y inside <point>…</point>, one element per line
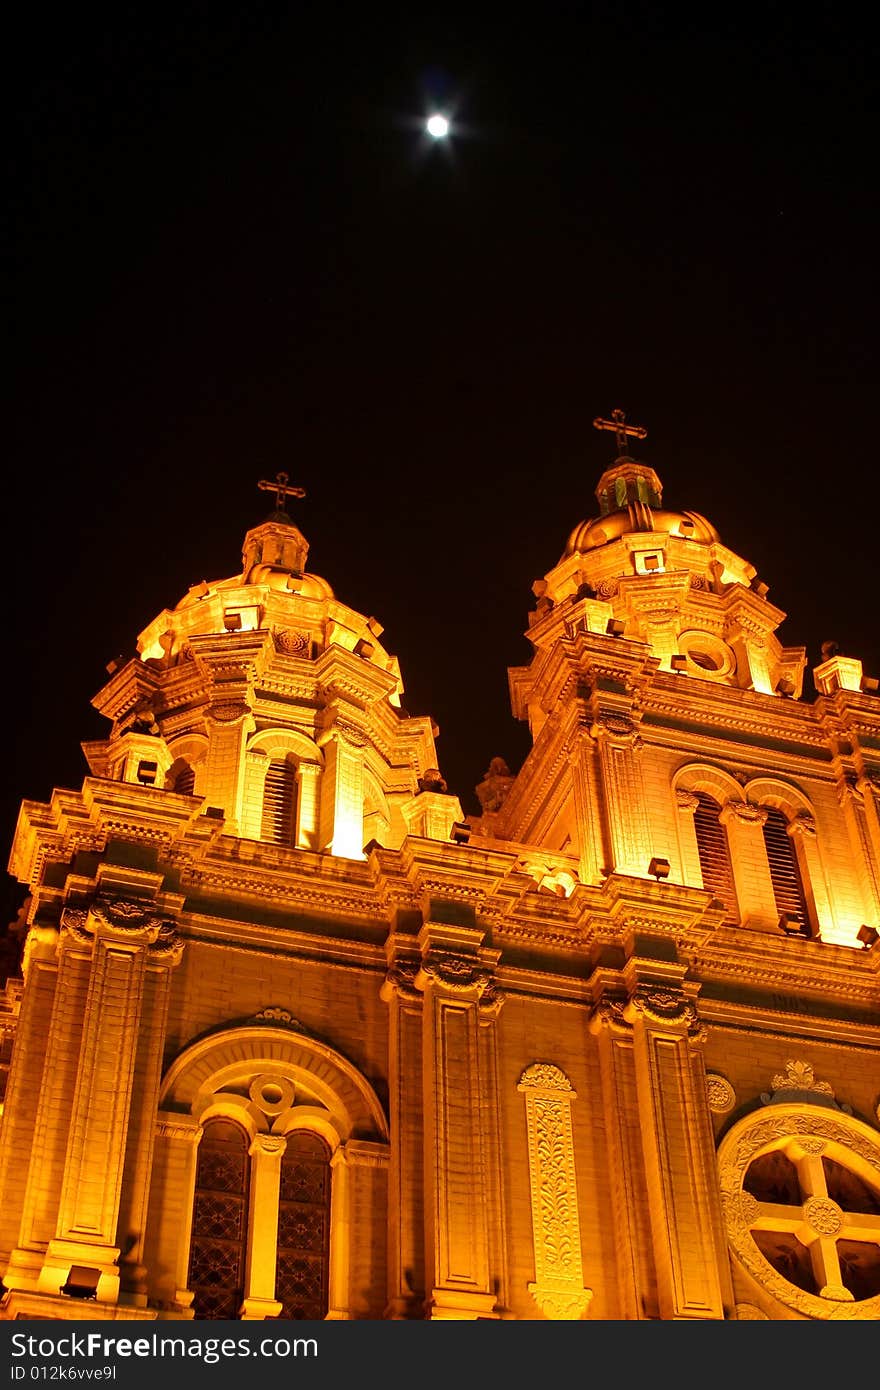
<point>297,1039</point>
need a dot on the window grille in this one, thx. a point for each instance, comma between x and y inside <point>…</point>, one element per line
<point>785,871</point>
<point>279,803</point>
<point>219,1228</point>
<point>302,1271</point>
<point>714,854</point>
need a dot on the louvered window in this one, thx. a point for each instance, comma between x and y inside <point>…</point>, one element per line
<point>715,864</point>
<point>185,780</point>
<point>279,803</point>
<point>785,871</point>
<point>219,1227</point>
<point>302,1269</point>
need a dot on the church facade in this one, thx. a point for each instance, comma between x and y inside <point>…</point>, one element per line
<point>296,1039</point>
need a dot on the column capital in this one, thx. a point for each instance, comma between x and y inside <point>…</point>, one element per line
<point>183,1127</point>
<point>686,800</point>
<point>665,1007</point>
<point>268,1145</point>
<point>744,812</point>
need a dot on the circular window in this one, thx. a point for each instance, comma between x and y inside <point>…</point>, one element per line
<point>706,655</point>
<point>801,1194</point>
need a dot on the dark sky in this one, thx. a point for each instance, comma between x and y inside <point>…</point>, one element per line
<point>230,250</point>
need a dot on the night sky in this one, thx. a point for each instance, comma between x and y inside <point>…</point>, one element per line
<point>231,250</point>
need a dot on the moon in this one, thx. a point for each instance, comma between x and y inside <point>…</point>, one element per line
<point>437,126</point>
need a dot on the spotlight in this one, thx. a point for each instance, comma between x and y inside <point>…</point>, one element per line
<point>792,927</point>
<point>678,663</point>
<point>868,936</point>
<point>614,627</point>
<point>659,868</point>
<point>460,832</point>
<point>82,1282</point>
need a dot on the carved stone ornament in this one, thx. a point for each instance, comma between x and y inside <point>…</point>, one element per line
<point>129,915</point>
<point>799,1076</point>
<point>720,1094</point>
<point>545,1076</point>
<point>290,643</point>
<point>663,1005</point>
<point>401,980</point>
<point>620,728</point>
<point>349,732</point>
<point>607,588</point>
<point>815,1217</point>
<point>748,1312</point>
<point>281,1018</point>
<point>456,974</point>
<point>685,800</point>
<point>823,1215</point>
<point>803,824</point>
<point>558,1287</point>
<point>745,811</point>
<point>848,791</point>
<point>228,711</point>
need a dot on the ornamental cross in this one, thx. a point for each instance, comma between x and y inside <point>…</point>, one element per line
<point>621,429</point>
<point>281,490</point>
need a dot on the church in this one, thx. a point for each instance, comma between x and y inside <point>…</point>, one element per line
<point>295,1038</point>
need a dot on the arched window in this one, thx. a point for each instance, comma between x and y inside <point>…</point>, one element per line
<point>219,1227</point>
<point>785,871</point>
<point>278,822</point>
<point>714,855</point>
<point>302,1268</point>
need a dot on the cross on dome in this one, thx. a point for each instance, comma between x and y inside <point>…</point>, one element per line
<point>622,430</point>
<point>281,489</point>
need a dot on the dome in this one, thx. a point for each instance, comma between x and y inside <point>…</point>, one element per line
<point>639,517</point>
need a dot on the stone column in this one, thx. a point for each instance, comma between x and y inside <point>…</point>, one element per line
<point>801,830</point>
<point>869,786</point>
<point>623,796</point>
<point>748,858</point>
<point>229,723</point>
<point>857,800</point>
<point>625,1162</point>
<point>342,792</point>
<point>266,1151</point>
<point>690,1256</point>
<point>256,765</point>
<point>308,779</point>
<point>27,1111</point>
<point>454,980</point>
<point>406,1229</point>
<point>176,1157</point>
<point>691,872</point>
<point>119,933</point>
<point>142,1122</point>
<point>595,854</point>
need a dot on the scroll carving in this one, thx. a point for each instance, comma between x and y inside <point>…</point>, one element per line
<point>558,1288</point>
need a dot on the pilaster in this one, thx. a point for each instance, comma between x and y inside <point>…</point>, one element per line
<point>623,798</point>
<point>342,790</point>
<point>683,1199</point>
<point>748,857</point>
<point>456,980</point>
<point>406,1223</point>
<point>229,723</point>
<point>625,1161</point>
<point>117,934</point>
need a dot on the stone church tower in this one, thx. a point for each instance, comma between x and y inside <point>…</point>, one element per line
<point>297,1040</point>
